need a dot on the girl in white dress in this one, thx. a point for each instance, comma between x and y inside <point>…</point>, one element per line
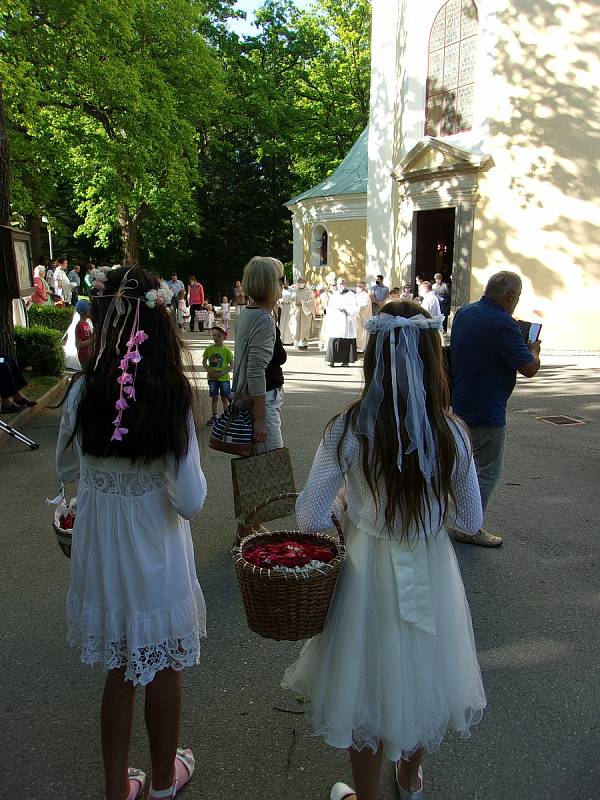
<point>396,665</point>
<point>225,307</point>
<point>134,603</point>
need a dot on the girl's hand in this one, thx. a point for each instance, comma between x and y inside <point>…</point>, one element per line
<point>341,498</point>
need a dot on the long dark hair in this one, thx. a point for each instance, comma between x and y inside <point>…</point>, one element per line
<point>406,492</point>
<point>157,420</point>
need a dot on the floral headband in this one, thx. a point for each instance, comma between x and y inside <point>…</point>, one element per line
<point>117,314</point>
<point>407,380</point>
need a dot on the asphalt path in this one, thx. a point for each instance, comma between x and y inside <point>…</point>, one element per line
<point>534,602</point>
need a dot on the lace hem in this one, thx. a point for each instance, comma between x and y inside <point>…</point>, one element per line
<point>394,751</point>
<point>126,484</point>
<point>142,664</point>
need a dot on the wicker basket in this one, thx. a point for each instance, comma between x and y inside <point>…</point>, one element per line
<point>282,606</point>
<point>64,538</point>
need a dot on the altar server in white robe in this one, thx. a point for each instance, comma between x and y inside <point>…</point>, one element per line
<point>363,303</point>
<point>286,321</point>
<point>342,312</point>
<point>325,297</point>
<point>303,313</point>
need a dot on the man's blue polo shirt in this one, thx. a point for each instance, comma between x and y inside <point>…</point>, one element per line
<point>487,348</point>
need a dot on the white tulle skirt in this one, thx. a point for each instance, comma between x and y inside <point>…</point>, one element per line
<point>396,663</point>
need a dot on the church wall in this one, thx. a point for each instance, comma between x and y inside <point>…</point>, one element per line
<point>538,212</point>
<point>536,112</point>
<point>346,250</point>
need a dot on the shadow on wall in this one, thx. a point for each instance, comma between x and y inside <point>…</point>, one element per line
<point>545,139</point>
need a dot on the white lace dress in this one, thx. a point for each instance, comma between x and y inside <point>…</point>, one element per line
<point>134,600</point>
<point>396,662</point>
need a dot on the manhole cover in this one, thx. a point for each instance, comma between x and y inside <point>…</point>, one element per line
<point>561,420</point>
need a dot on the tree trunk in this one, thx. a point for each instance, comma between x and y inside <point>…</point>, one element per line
<point>129,237</point>
<point>7,337</point>
<point>34,226</point>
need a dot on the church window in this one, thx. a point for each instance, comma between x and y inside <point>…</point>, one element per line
<point>451,70</point>
<point>319,246</point>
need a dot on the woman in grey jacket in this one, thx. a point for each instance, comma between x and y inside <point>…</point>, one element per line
<point>255,338</point>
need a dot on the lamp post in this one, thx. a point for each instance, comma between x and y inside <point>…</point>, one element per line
<point>45,219</point>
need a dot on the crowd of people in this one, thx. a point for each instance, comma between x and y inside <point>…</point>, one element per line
<point>56,284</point>
<point>396,665</point>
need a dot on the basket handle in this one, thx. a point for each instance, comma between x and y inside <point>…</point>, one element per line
<point>250,518</point>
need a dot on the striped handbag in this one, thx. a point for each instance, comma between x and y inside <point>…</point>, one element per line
<point>232,431</point>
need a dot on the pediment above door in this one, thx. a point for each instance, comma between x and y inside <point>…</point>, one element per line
<point>433,156</point>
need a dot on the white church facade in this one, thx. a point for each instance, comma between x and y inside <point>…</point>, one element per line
<point>483,154</point>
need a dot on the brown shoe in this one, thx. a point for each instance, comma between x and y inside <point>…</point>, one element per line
<point>482,538</point>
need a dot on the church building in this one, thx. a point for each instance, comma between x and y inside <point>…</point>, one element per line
<point>483,154</point>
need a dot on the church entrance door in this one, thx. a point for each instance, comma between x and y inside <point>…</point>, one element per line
<point>433,243</point>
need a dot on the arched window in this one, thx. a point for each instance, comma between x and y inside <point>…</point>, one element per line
<point>319,246</point>
<point>451,71</point>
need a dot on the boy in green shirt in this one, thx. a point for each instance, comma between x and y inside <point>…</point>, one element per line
<point>217,361</point>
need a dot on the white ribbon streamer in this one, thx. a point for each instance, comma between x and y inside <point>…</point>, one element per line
<point>407,380</point>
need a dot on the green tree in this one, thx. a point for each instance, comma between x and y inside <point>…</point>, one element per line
<point>122,90</point>
<point>298,99</point>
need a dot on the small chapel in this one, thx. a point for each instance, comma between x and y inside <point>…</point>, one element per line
<point>482,153</point>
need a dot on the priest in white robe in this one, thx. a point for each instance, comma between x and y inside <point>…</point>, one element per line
<point>342,312</point>
<point>303,311</point>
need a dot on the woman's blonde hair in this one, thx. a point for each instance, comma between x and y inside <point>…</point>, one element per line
<point>261,279</point>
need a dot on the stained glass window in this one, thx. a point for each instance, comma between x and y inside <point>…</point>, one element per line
<point>451,70</point>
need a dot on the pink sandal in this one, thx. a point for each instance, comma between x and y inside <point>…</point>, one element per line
<point>137,783</point>
<point>185,764</point>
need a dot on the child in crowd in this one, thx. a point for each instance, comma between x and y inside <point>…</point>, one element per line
<point>83,333</point>
<point>202,317</point>
<point>183,313</point>
<point>396,665</point>
<point>217,361</point>
<point>134,602</point>
<point>225,311</point>
<point>210,320</point>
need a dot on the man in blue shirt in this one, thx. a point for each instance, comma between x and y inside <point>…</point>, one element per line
<point>488,349</point>
<point>379,295</point>
<point>176,286</point>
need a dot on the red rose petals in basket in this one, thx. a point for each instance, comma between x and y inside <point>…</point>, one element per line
<point>290,553</point>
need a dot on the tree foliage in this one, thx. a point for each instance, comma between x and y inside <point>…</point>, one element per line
<point>148,123</point>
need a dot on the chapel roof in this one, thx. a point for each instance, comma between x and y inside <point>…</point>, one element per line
<point>349,178</point>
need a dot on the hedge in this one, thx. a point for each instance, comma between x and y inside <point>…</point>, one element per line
<point>41,349</point>
<point>53,317</point>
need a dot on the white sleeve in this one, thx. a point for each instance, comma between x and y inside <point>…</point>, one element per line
<point>67,455</point>
<point>467,514</point>
<point>316,501</point>
<point>186,484</point>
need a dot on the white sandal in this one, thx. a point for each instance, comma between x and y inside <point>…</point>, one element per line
<point>409,794</point>
<point>186,757</point>
<point>341,790</point>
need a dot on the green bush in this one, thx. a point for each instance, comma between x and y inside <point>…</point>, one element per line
<point>53,317</point>
<point>41,349</point>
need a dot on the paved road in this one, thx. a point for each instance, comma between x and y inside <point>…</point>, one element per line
<point>534,602</point>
